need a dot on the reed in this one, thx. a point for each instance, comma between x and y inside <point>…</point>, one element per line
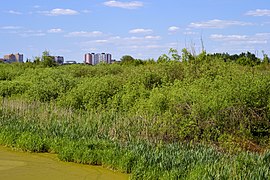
<point>87,138</point>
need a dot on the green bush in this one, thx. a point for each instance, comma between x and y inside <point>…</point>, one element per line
<point>149,119</point>
<point>28,141</point>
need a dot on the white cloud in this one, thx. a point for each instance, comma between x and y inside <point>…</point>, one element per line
<point>124,5</point>
<point>10,27</point>
<point>135,39</point>
<point>22,31</point>
<point>152,37</point>
<point>216,23</point>
<point>263,35</point>
<point>55,30</point>
<point>123,42</point>
<point>14,12</point>
<point>32,33</point>
<point>220,37</point>
<point>173,28</point>
<point>261,38</point>
<point>115,37</point>
<point>84,34</point>
<point>145,47</point>
<point>139,31</point>
<point>59,12</point>
<point>259,12</point>
<point>101,41</point>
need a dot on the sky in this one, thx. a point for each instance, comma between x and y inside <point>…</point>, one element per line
<point>143,29</point>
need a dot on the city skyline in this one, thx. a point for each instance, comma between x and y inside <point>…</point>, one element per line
<point>96,58</point>
<point>89,58</point>
<point>143,29</point>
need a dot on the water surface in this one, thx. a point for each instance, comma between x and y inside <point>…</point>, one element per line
<point>31,166</point>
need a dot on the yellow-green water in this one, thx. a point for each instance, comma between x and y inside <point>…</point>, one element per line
<point>43,166</point>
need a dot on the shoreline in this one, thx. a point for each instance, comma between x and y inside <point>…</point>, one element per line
<point>26,165</point>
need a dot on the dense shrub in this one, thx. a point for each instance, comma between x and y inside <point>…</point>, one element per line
<point>9,88</point>
<point>135,117</point>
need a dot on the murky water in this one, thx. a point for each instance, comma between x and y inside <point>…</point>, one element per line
<point>28,166</point>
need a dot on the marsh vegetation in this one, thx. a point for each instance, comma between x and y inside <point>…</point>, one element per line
<point>205,117</point>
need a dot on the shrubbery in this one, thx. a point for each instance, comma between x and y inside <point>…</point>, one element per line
<point>203,100</point>
<point>199,99</point>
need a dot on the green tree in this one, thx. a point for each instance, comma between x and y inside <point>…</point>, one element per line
<point>266,59</point>
<point>248,59</point>
<point>47,59</point>
<point>174,54</point>
<point>186,55</point>
<point>129,60</point>
<point>163,58</point>
<point>37,60</point>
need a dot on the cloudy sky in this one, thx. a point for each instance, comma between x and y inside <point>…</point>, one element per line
<point>144,28</point>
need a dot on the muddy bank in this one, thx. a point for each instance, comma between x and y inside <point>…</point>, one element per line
<point>26,166</point>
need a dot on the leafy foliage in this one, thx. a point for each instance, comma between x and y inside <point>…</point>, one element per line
<point>121,115</point>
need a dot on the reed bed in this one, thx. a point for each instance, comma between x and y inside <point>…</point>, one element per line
<point>97,139</point>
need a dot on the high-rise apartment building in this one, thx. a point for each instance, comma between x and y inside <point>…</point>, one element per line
<point>14,58</point>
<point>89,58</point>
<point>94,59</point>
<point>19,57</point>
<point>109,58</point>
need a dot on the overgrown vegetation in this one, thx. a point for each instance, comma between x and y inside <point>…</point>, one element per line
<point>206,117</point>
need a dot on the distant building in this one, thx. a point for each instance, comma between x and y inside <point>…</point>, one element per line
<point>103,58</point>
<point>94,59</point>
<point>109,58</point>
<point>113,61</point>
<point>19,57</point>
<point>11,58</point>
<point>70,62</point>
<point>89,58</point>
<point>59,59</point>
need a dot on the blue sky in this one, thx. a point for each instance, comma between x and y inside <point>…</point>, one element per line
<point>143,29</point>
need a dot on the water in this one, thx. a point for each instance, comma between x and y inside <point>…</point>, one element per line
<point>28,166</point>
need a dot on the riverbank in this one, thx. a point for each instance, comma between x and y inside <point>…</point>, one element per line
<point>26,166</point>
<point>72,141</point>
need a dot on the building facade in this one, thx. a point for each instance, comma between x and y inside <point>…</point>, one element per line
<point>93,59</point>
<point>11,58</point>
<point>19,57</point>
<point>59,59</point>
<point>89,58</point>
<point>109,58</point>
<point>70,62</point>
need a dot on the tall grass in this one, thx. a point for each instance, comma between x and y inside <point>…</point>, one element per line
<point>99,139</point>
